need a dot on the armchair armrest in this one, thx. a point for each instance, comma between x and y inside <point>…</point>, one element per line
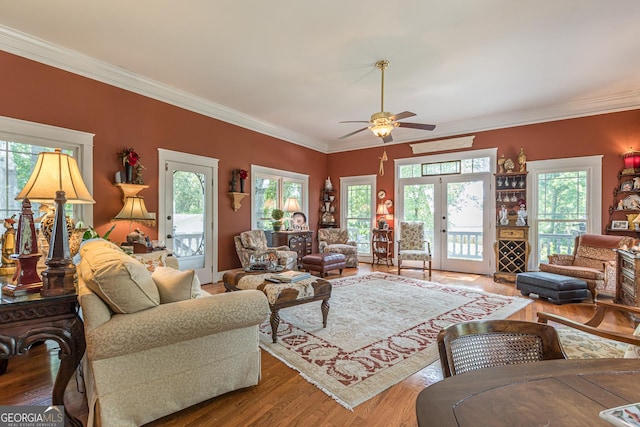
<point>591,326</point>
<point>280,248</point>
<point>561,259</point>
<point>352,243</point>
<point>175,322</point>
<point>321,245</point>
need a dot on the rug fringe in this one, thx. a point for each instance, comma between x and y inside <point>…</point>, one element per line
<point>306,377</point>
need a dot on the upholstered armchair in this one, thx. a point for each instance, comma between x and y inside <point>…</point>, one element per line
<point>254,242</point>
<point>337,241</point>
<point>412,246</point>
<point>594,260</point>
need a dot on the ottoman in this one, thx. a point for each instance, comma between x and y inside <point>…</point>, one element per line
<point>556,288</point>
<point>281,295</point>
<point>324,262</point>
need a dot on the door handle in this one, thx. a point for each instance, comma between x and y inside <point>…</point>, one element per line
<point>169,236</point>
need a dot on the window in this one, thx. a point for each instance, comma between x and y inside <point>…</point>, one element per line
<point>565,201</point>
<point>358,210</point>
<point>270,189</point>
<point>20,143</point>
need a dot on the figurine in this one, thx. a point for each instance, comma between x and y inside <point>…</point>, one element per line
<point>501,161</point>
<point>522,160</point>
<point>504,220</point>
<point>522,216</point>
<point>8,243</point>
<point>137,236</point>
<point>138,177</point>
<point>328,185</point>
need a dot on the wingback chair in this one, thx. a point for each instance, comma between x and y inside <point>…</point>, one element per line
<point>254,242</point>
<point>337,241</point>
<point>412,246</point>
<point>594,260</point>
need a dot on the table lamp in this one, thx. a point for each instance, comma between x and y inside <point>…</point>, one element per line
<point>383,212</point>
<point>57,179</point>
<point>134,210</point>
<point>291,205</point>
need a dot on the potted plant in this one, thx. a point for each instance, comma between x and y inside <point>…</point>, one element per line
<point>277,215</point>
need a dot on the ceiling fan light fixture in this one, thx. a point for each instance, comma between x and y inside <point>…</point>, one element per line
<point>382,130</point>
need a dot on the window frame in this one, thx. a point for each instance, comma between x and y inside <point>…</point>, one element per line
<point>80,143</point>
<point>280,176</point>
<point>593,166</point>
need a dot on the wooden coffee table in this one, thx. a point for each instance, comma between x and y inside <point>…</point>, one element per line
<point>281,295</point>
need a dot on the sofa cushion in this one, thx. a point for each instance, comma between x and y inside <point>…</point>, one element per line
<point>175,285</point>
<point>120,281</point>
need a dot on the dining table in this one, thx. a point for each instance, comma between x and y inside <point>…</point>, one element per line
<point>565,392</point>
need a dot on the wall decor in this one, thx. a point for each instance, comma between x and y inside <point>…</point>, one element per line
<point>619,225</point>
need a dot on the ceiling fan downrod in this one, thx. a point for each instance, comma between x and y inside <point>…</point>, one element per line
<point>382,65</point>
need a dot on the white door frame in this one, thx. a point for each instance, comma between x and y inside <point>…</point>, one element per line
<point>176,156</point>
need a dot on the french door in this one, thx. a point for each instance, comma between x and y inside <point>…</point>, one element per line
<point>187,221</point>
<point>456,221</point>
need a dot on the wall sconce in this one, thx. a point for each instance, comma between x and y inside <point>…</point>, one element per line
<point>55,178</point>
<point>134,210</point>
<point>631,161</point>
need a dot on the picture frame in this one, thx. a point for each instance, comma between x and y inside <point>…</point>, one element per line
<point>619,225</point>
<point>626,185</point>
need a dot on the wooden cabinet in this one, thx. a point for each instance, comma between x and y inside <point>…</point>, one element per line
<point>298,241</point>
<point>382,246</point>
<point>627,291</point>
<point>626,204</point>
<point>512,252</point>
<point>512,232</point>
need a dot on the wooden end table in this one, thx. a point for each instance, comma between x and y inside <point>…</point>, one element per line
<point>288,297</point>
<point>30,319</point>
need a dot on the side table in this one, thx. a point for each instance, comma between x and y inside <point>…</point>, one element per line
<point>382,246</point>
<point>29,319</point>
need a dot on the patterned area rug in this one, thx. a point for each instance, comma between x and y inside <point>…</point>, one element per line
<point>382,328</point>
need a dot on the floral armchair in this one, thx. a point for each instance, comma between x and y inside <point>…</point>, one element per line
<point>412,246</point>
<point>594,261</point>
<point>337,241</point>
<point>254,243</point>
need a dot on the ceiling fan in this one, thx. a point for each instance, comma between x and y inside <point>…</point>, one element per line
<point>382,123</point>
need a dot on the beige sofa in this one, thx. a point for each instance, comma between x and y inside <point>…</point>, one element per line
<point>148,356</point>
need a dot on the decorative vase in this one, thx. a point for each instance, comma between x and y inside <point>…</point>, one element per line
<point>128,171</point>
<point>242,185</point>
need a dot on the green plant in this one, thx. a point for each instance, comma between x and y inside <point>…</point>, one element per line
<point>277,214</point>
<point>91,233</point>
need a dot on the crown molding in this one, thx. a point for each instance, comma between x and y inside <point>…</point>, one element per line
<point>30,47</point>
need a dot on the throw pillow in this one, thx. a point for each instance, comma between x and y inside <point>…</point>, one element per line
<point>120,281</point>
<point>175,285</point>
<point>152,260</point>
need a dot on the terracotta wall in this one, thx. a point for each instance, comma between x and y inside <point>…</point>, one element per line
<point>609,135</point>
<point>39,93</point>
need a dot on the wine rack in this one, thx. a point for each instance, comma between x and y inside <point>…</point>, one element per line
<point>512,252</point>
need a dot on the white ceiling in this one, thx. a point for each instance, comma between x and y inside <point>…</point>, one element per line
<point>294,69</point>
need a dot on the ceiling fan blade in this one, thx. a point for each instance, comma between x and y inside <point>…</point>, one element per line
<point>387,138</point>
<point>416,126</point>
<point>355,121</point>
<point>403,115</point>
<point>353,133</point>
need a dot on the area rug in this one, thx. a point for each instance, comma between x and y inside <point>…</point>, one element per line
<point>382,328</point>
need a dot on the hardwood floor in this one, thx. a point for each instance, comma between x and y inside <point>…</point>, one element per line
<point>283,397</point>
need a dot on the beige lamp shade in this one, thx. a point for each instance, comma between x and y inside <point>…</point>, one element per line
<point>135,210</point>
<point>55,171</point>
<point>291,205</point>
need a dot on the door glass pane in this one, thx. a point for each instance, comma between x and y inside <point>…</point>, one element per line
<point>465,220</point>
<point>359,216</point>
<point>562,211</point>
<point>189,218</point>
<point>419,206</point>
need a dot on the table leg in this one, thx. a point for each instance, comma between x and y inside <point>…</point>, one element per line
<point>68,364</point>
<point>325,311</point>
<point>275,321</point>
<point>3,365</point>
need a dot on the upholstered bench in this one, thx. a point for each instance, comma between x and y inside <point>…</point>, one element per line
<point>324,262</point>
<point>281,295</point>
<point>556,288</point>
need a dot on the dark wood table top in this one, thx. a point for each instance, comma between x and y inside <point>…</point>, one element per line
<point>548,393</point>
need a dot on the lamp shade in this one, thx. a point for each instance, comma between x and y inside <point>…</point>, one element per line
<point>382,209</point>
<point>291,205</point>
<point>134,209</point>
<point>55,171</point>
